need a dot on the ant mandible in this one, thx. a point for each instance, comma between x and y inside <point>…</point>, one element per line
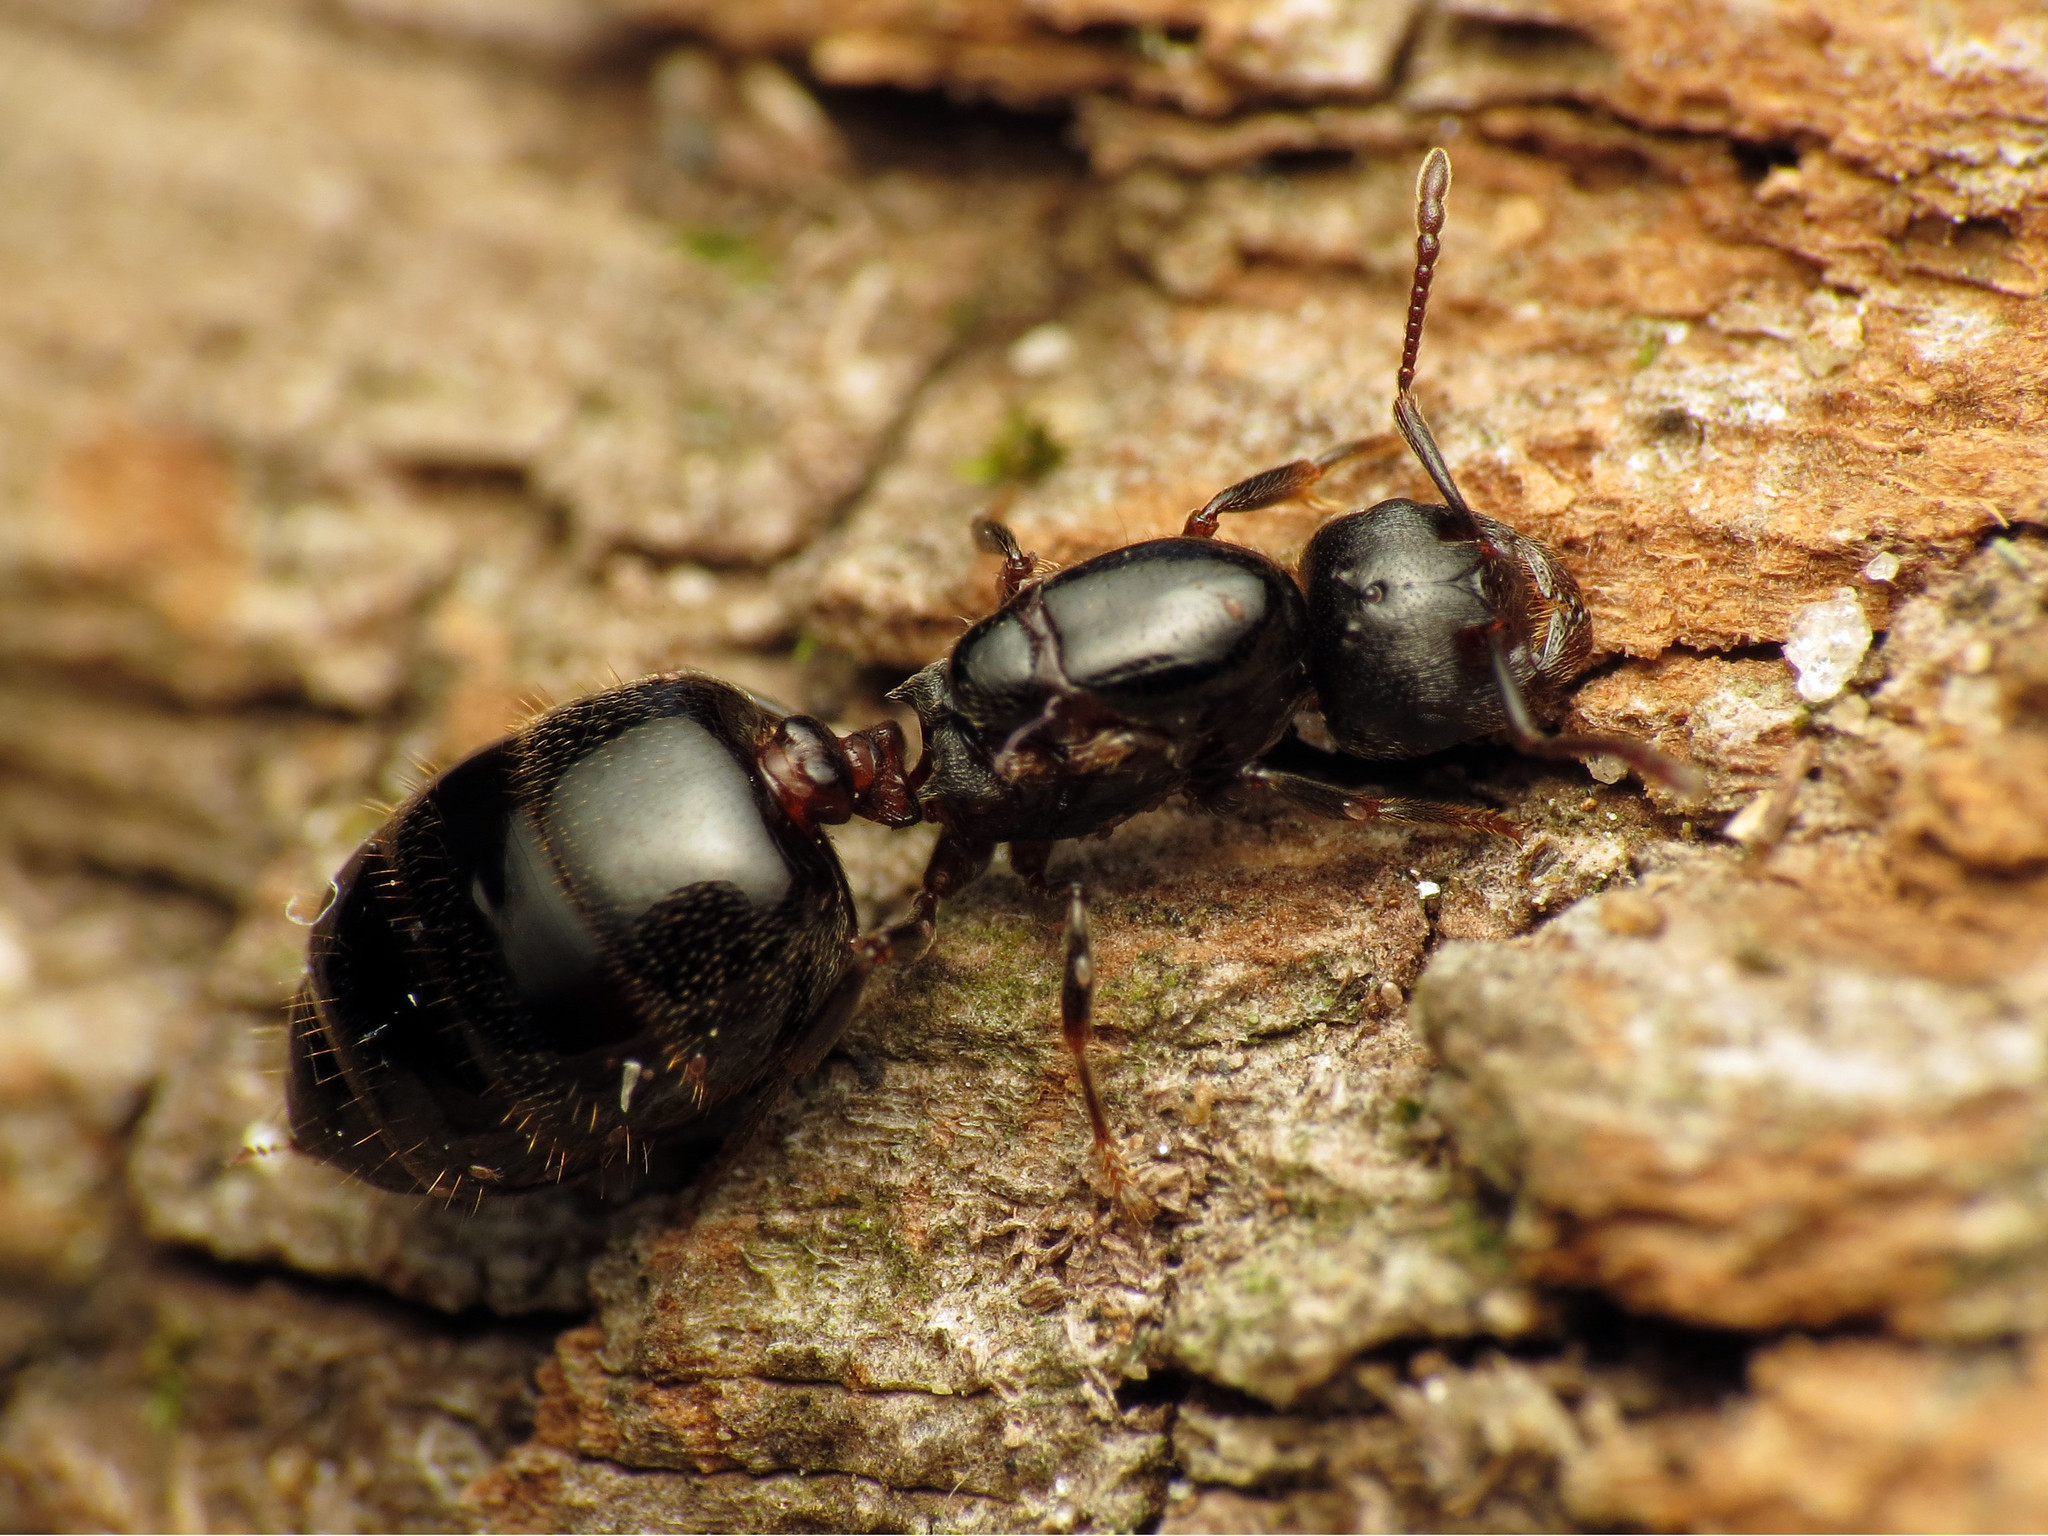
<point>623,926</point>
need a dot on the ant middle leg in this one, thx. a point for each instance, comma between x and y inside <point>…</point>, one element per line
<point>1338,804</point>
<point>1270,487</point>
<point>1077,1026</point>
<point>955,862</point>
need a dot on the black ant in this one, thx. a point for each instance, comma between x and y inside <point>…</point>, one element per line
<point>623,927</point>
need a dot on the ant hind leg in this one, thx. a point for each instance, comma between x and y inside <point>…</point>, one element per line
<point>955,861</point>
<point>1270,487</point>
<point>1028,861</point>
<point>1019,564</point>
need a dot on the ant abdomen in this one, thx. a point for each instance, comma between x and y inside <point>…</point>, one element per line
<point>598,935</point>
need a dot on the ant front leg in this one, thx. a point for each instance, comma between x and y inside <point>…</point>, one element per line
<point>1028,861</point>
<point>1339,804</point>
<point>1077,1023</point>
<point>1270,487</point>
<point>1682,779</point>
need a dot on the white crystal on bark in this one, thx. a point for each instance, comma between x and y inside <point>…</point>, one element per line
<point>1827,644</point>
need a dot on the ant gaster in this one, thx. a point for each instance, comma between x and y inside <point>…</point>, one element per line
<point>592,933</point>
<point>603,936</point>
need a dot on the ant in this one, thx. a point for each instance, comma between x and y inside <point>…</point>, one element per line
<point>622,927</point>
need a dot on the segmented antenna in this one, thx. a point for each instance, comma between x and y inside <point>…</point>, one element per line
<point>1430,188</point>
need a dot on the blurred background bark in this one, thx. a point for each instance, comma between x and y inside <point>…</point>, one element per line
<point>371,370</point>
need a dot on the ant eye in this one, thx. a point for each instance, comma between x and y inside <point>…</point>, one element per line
<point>1375,591</point>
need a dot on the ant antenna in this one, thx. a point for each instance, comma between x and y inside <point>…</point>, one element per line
<point>1430,189</point>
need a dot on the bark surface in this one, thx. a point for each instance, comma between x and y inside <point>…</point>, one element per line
<point>373,371</point>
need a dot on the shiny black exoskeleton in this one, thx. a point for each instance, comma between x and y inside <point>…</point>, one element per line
<point>620,927</point>
<point>1431,625</point>
<point>1100,691</point>
<point>1432,622</point>
<point>1403,602</point>
<point>1173,666</point>
<point>606,934</point>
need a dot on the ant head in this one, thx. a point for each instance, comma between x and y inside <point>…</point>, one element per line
<point>1399,593</point>
<point>1402,581</point>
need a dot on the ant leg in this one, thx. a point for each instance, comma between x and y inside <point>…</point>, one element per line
<point>954,862</point>
<point>1019,565</point>
<point>1682,779</point>
<point>1339,804</point>
<point>1077,1023</point>
<point>953,865</point>
<point>1270,487</point>
<point>1028,861</point>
